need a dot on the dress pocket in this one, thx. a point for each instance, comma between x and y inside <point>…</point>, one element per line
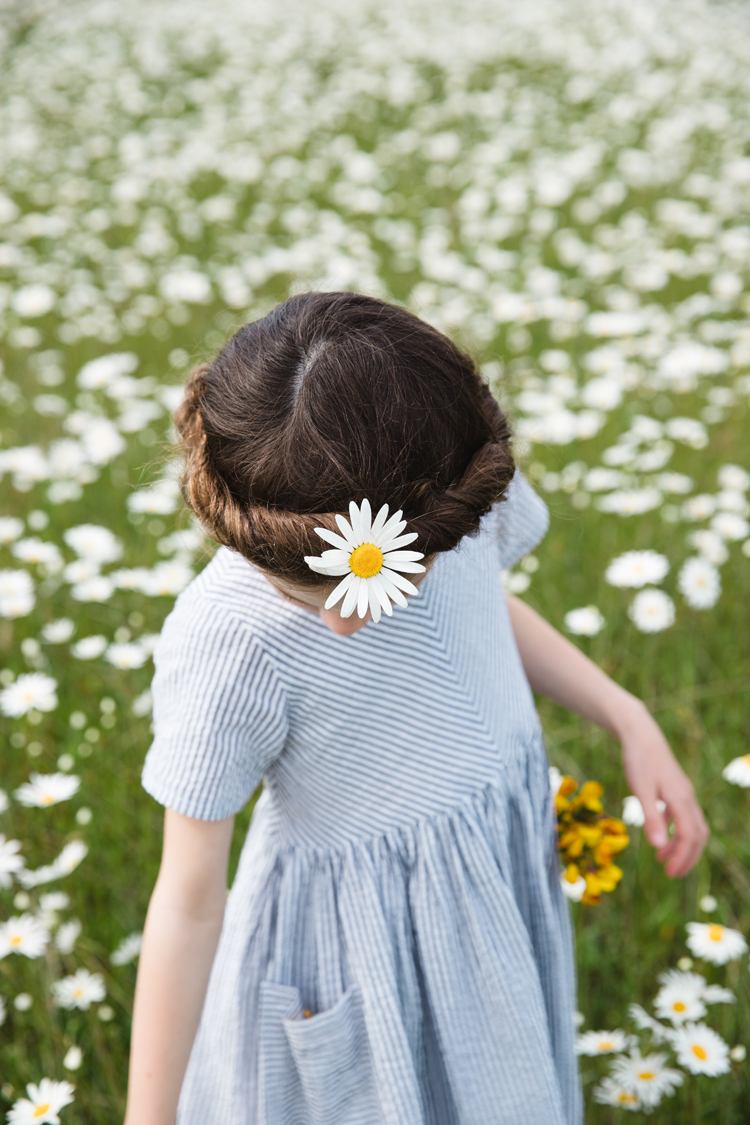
<point>315,1071</point>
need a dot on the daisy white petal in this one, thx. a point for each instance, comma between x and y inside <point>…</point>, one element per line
<point>381,595</point>
<point>404,567</point>
<point>362,597</point>
<point>390,525</point>
<point>356,522</point>
<point>351,597</point>
<point>374,602</point>
<point>346,531</point>
<point>318,566</point>
<point>399,580</point>
<point>379,521</point>
<point>335,540</point>
<point>391,589</point>
<point>365,520</point>
<point>401,541</point>
<point>340,590</point>
<point>402,556</point>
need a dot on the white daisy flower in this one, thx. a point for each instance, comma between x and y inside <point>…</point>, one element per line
<point>738,771</point>
<point>65,863</point>
<point>715,943</point>
<point>637,568</point>
<point>58,632</point>
<point>734,477</point>
<point>73,1058</point>
<point>708,904</point>
<point>16,593</point>
<point>730,526</point>
<point>680,997</point>
<point>573,891</point>
<point>32,691</point>
<point>80,990</point>
<point>38,551</point>
<point>701,1050</point>
<point>610,1092</point>
<point>370,557</point>
<point>555,780</point>
<point>47,789</point>
<point>715,994</point>
<point>128,949</point>
<point>601,1042</point>
<point>652,611</point>
<point>699,583</point>
<point>646,1076</point>
<point>4,801</point>
<point>90,541</point>
<point>584,622</point>
<point>699,507</point>
<point>126,655</point>
<point>10,861</point>
<point>43,1103</point>
<point>88,648</point>
<point>642,1020</point>
<point>710,545</point>
<point>10,528</point>
<point>23,934</point>
<point>67,935</point>
<point>95,589</point>
<point>738,1053</point>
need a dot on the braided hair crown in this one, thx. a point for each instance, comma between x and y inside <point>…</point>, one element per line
<point>334,397</point>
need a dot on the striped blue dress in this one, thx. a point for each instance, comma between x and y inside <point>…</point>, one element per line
<point>400,879</point>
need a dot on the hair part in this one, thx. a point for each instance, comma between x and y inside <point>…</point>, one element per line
<point>334,397</point>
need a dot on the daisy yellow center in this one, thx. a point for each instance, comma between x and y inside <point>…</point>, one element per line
<point>746,759</point>
<point>699,1051</point>
<point>628,1099</point>
<point>646,1075</point>
<point>16,939</point>
<point>605,1045</point>
<point>715,932</point>
<point>366,561</point>
<point>678,1006</point>
<point>78,992</point>
<point>41,1110</point>
<point>47,799</point>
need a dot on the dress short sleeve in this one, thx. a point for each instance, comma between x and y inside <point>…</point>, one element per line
<point>219,712</point>
<point>523,520</point>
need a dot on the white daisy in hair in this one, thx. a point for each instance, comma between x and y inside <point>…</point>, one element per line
<point>715,943</point>
<point>602,1042</point>
<point>368,553</point>
<point>701,1050</point>
<point>43,1103</point>
<point>646,1076</point>
<point>681,997</point>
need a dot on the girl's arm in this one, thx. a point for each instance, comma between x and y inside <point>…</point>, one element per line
<point>558,669</point>
<point>179,941</point>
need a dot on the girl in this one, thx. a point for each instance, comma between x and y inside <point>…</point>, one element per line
<point>396,948</point>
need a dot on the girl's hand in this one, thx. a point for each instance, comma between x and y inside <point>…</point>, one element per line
<point>654,774</point>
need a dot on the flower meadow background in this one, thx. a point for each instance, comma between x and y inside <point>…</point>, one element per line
<point>565,187</point>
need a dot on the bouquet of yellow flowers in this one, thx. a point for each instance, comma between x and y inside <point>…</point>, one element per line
<point>588,839</point>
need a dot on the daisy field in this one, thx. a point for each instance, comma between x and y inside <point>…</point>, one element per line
<point>562,185</point>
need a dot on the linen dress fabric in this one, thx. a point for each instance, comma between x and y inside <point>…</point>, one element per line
<point>400,878</point>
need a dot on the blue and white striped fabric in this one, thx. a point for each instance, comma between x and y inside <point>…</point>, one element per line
<point>400,877</point>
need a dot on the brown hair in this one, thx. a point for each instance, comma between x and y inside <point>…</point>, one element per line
<point>334,397</point>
